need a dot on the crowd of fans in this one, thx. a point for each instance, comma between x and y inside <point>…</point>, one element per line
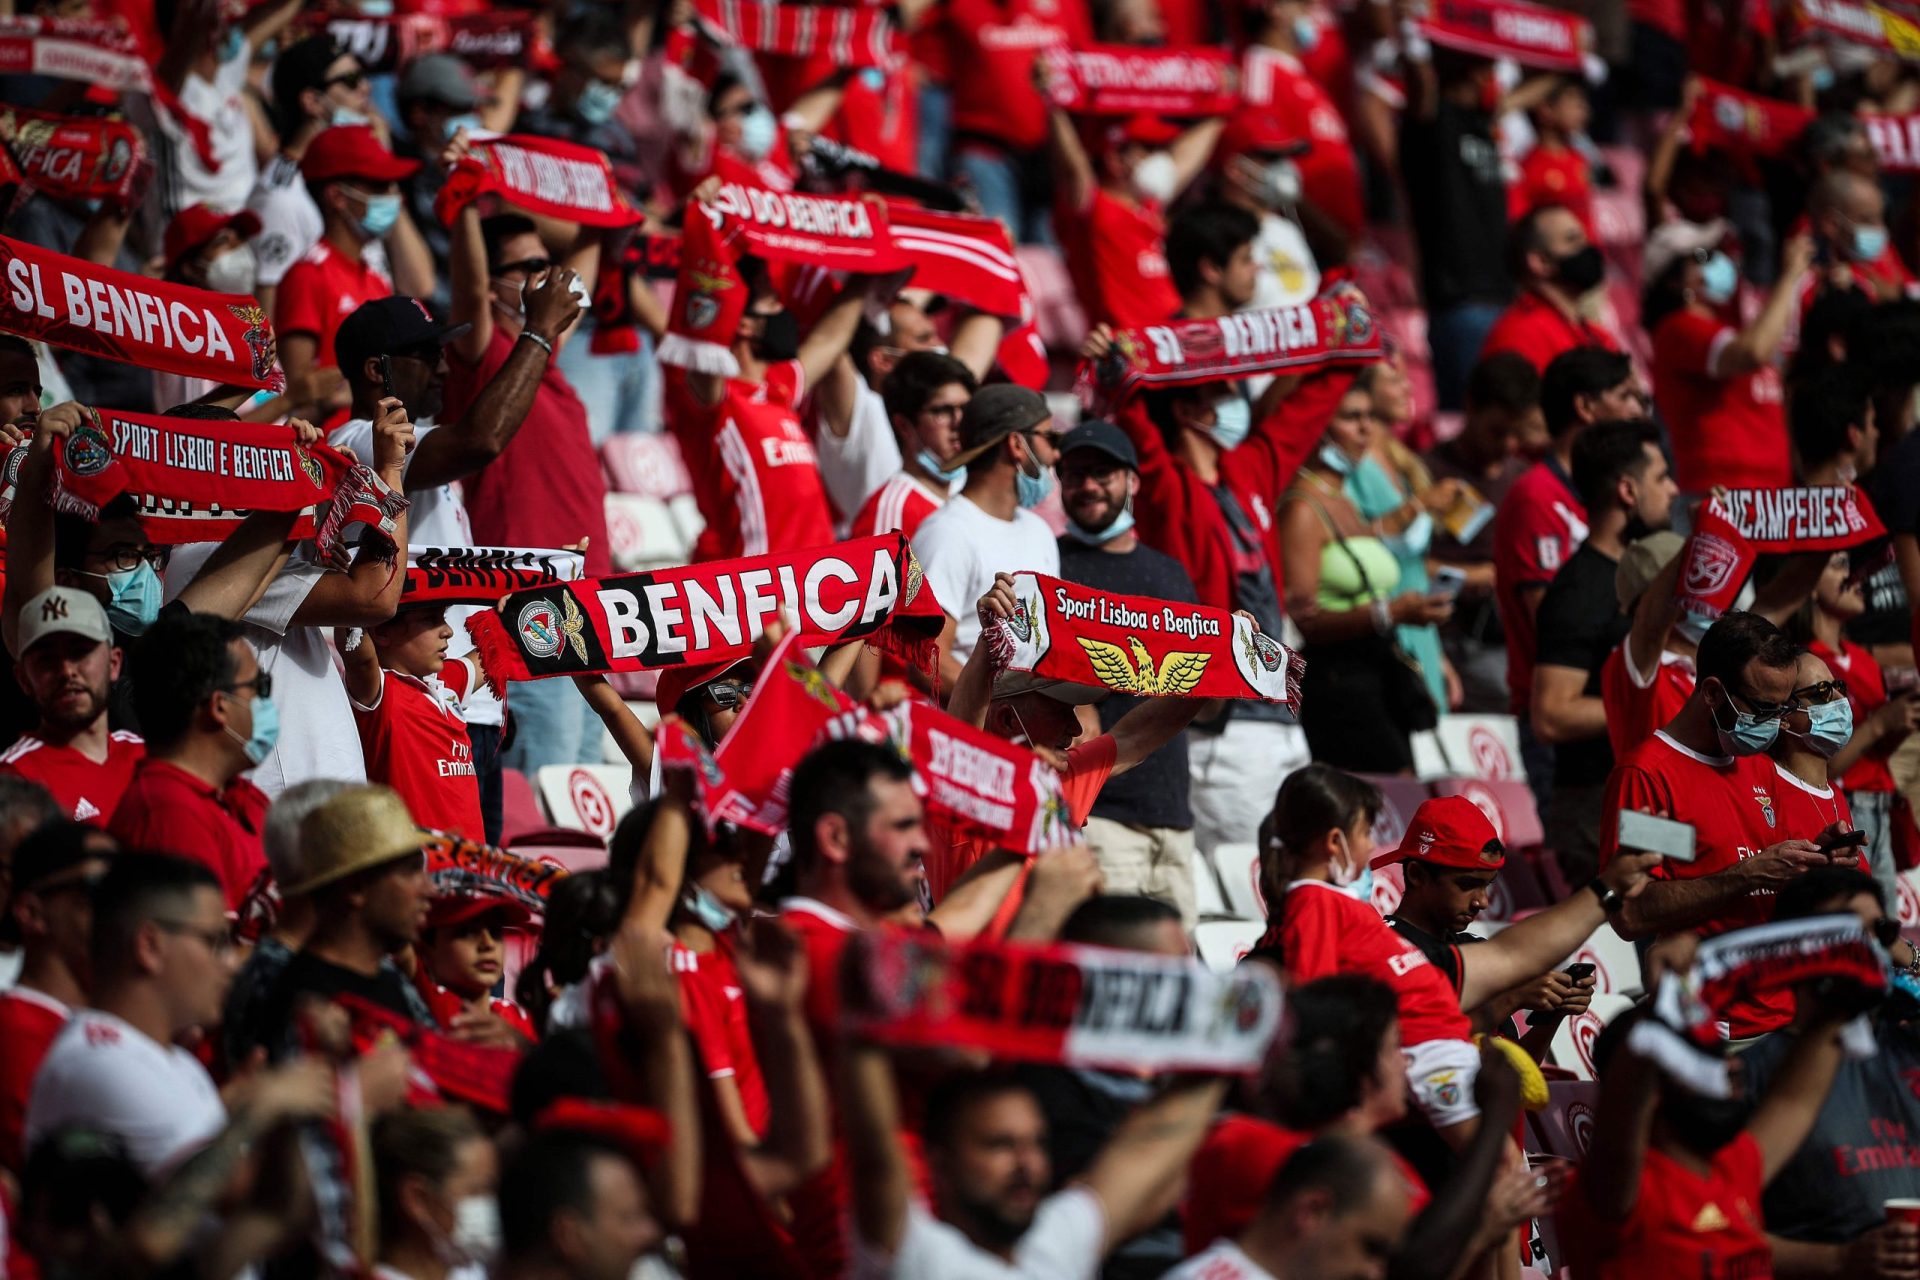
<point>277,995</point>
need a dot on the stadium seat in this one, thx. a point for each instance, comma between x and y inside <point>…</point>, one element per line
<point>1615,961</point>
<point>1239,867</point>
<point>1429,761</point>
<point>1486,747</point>
<point>586,797</point>
<point>1564,1128</point>
<point>1573,1041</point>
<point>645,712</point>
<point>645,465</point>
<point>1224,943</point>
<point>1063,325</point>
<point>1910,900</point>
<point>1389,884</point>
<point>1209,902</point>
<point>1399,798</point>
<point>565,847</point>
<point>519,807</point>
<point>1508,805</point>
<point>642,533</point>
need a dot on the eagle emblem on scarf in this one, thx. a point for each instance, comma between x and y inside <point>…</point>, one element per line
<point>1177,673</point>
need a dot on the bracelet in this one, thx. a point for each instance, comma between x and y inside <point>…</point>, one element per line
<point>533,337</point>
<point>1382,617</point>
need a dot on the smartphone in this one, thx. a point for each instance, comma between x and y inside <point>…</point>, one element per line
<point>1448,580</point>
<point>386,374</point>
<point>1578,971</point>
<point>1845,840</point>
<point>1648,834</point>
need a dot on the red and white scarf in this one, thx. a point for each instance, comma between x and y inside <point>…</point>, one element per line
<point>959,256</point>
<point>1532,35</point>
<point>838,233</point>
<point>1138,645</point>
<point>460,868</point>
<point>544,176</point>
<point>1733,528</point>
<point>72,158</point>
<point>851,37</point>
<point>73,49</point>
<point>481,575</point>
<point>1728,119</point>
<point>223,337</point>
<point>1120,79</point>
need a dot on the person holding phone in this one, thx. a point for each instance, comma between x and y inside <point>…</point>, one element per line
<point>1818,723</point>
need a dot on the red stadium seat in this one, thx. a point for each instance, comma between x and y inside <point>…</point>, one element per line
<point>520,808</point>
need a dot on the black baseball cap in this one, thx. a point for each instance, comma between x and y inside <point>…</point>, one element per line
<point>391,326</point>
<point>53,849</point>
<point>996,412</point>
<point>1101,436</point>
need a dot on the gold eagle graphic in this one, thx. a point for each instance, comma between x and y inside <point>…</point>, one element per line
<point>572,625</point>
<point>1178,672</point>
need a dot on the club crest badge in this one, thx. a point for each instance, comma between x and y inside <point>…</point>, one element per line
<point>258,337</point>
<point>1711,565</point>
<point>1263,652</point>
<point>1135,672</point>
<point>88,453</point>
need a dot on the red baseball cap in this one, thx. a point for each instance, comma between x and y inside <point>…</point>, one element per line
<point>1147,130</point>
<point>1261,134</point>
<point>1449,831</point>
<point>444,913</point>
<point>353,151</point>
<point>196,224</point>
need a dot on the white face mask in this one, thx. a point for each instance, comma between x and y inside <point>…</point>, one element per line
<point>1155,177</point>
<point>476,1230</point>
<point>234,271</point>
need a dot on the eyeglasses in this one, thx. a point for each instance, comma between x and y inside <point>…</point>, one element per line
<point>1817,694</point>
<point>218,941</point>
<point>349,79</point>
<point>950,412</point>
<point>1052,437</point>
<point>531,266</point>
<point>261,684</point>
<point>123,556</point>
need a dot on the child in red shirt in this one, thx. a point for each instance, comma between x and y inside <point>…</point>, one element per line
<point>462,955</point>
<point>1555,171</point>
<point>408,703</point>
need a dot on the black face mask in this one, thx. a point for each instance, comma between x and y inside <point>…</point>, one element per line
<point>779,337</point>
<point>1581,270</point>
<point>1703,1125</point>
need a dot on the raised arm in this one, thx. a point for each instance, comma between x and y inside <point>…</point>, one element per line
<point>1152,725</point>
<point>1786,1115</point>
<point>470,300</point>
<point>1139,1174</point>
<point>976,342</point>
<point>832,333</point>
<point>799,1138</point>
<point>1436,1244</point>
<point>655,1042</point>
<point>1759,342</point>
<point>1192,149</point>
<point>1525,950</point>
<point>1073,174</point>
<point>30,526</point>
<point>635,743</point>
<point>370,591</point>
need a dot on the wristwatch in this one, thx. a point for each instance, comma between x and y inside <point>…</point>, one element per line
<point>1610,899</point>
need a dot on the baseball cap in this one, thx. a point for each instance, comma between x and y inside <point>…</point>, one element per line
<point>196,224</point>
<point>442,78</point>
<point>1642,562</point>
<point>1147,130</point>
<point>353,151</point>
<point>389,325</point>
<point>63,611</point>
<point>996,412</point>
<point>457,909</point>
<point>1671,241</point>
<point>1259,133</point>
<point>1449,831</point>
<point>1101,437</point>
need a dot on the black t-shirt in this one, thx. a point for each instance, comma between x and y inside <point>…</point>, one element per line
<point>1896,497</point>
<point>1578,625</point>
<point>1460,215</point>
<point>1153,794</point>
<point>1254,590</point>
<point>308,975</point>
<point>1444,953</point>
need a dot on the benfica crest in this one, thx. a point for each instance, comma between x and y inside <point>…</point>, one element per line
<point>1712,564</point>
<point>88,453</point>
<point>254,316</point>
<point>1264,652</point>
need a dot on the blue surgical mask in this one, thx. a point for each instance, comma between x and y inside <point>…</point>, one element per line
<point>134,598</point>
<point>1749,736</point>
<point>1031,491</point>
<point>1232,421</point>
<point>1693,627</point>
<point>470,122</point>
<point>930,463</point>
<point>382,212</point>
<point>873,78</point>
<point>340,117</point>
<point>1360,888</point>
<point>1868,244</point>
<point>1831,727</point>
<point>758,130</point>
<point>1719,278</point>
<point>1306,33</point>
<point>376,8</point>
<point>1334,460</point>
<point>233,44</point>
<point>266,730</point>
<point>705,908</point>
<point>598,101</point>
<point>1121,523</point>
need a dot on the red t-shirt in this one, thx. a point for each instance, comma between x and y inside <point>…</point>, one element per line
<point>1553,174</point>
<point>755,474</point>
<point>1321,931</point>
<point>1539,524</point>
<point>168,810</point>
<point>546,488</point>
<point>1683,1224</point>
<point>1638,703</point>
<point>1725,431</point>
<point>87,789</point>
<point>1666,16</point>
<point>29,1020</point>
<point>901,503</point>
<point>320,291</point>
<point>1533,327</point>
<point>447,1005</point>
<point>1228,1177</point>
<point>1867,691</point>
<point>716,1012</point>
<point>992,45</point>
<point>1279,85</point>
<point>415,741</point>
<point>1730,802</point>
<point>1115,257</point>
<point>1806,810</point>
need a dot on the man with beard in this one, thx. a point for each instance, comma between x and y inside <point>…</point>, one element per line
<point>67,666</point>
<point>1141,828</point>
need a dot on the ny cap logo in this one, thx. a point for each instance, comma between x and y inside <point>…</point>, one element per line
<point>53,607</point>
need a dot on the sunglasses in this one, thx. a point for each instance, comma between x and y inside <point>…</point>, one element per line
<point>351,79</point>
<point>531,266</point>
<point>261,684</point>
<point>1826,691</point>
<point>727,694</point>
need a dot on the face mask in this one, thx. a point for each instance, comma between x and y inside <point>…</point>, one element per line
<point>266,730</point>
<point>1582,270</point>
<point>1155,177</point>
<point>1831,727</point>
<point>598,101</point>
<point>234,271</point>
<point>758,130</point>
<point>134,598</point>
<point>1031,491</point>
<point>342,116</point>
<point>1335,460</point>
<point>382,212</point>
<point>1748,736</point>
<point>1693,627</point>
<point>470,122</point>
<point>475,1238</point>
<point>1718,279</point>
<point>1232,422</point>
<point>932,466</point>
<point>1868,243</point>
<point>377,8</point>
<point>233,44</point>
<point>707,909</point>
<point>1095,538</point>
<point>779,338</point>
<point>1342,876</point>
<point>1280,185</point>
<point>1306,34</point>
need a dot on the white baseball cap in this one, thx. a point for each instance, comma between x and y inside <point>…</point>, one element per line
<point>65,610</point>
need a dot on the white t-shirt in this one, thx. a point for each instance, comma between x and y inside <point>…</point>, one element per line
<point>290,223</point>
<point>221,105</point>
<point>1065,1242</point>
<point>1285,272</point>
<point>104,1073</point>
<point>1224,1261</point>
<point>961,547</point>
<point>853,466</point>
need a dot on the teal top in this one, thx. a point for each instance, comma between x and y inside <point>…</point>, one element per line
<point>1374,492</point>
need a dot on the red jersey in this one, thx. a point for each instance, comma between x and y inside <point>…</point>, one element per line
<point>1867,691</point>
<point>447,1005</point>
<point>901,503</point>
<point>1553,174</point>
<point>1117,263</point>
<point>1321,931</point>
<point>716,1011</point>
<point>1725,431</point>
<point>320,291</point>
<point>1638,703</point>
<point>1730,802</point>
<point>1535,530</point>
<point>415,740</point>
<point>1683,1224</point>
<point>29,1020</point>
<point>993,43</point>
<point>1806,810</point>
<point>755,474</point>
<point>168,810</point>
<point>89,790</point>
<point>1278,85</point>
<point>1533,327</point>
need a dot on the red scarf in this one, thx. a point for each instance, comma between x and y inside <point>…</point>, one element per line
<point>485,41</point>
<point>1119,79</point>
<point>1530,34</point>
<point>481,575</point>
<point>960,256</point>
<point>865,588</point>
<point>78,159</point>
<point>839,233</point>
<point>1153,648</point>
<point>1335,329</point>
<point>73,49</point>
<point>1733,528</point>
<point>461,868</point>
<point>1076,1006</point>
<point>709,296</point>
<point>175,328</point>
<point>544,176</point>
<point>851,37</point>
<point>443,1069</point>
<point>1786,953</point>
<point>1874,26</point>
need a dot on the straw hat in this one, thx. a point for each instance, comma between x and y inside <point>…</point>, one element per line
<point>359,828</point>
